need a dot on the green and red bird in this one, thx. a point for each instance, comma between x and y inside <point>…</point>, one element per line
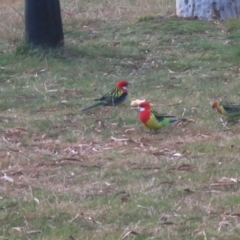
<point>114,97</point>
<point>152,120</point>
<point>227,109</point>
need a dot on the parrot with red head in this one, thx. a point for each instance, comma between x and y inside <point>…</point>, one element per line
<point>228,109</point>
<point>112,98</point>
<point>152,120</point>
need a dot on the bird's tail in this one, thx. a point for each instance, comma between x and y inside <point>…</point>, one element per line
<point>100,103</point>
<point>173,120</point>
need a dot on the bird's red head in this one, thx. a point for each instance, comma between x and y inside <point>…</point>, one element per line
<point>122,85</point>
<point>216,107</point>
<point>144,106</point>
<point>144,112</point>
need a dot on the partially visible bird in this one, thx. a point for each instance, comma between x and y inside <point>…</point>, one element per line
<point>113,97</point>
<point>152,120</point>
<point>227,109</point>
<point>135,105</point>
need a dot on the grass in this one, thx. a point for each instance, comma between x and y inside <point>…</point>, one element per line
<point>100,174</point>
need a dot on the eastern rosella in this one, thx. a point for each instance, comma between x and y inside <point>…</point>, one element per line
<point>152,120</point>
<point>113,97</point>
<point>227,109</point>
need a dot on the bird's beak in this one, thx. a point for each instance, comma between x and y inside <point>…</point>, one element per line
<point>136,108</point>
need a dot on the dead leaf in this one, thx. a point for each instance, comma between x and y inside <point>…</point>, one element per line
<point>183,167</point>
<point>128,233</point>
<point>233,214</point>
<point>72,92</point>
<point>33,231</point>
<point>167,223</point>
<point>116,43</point>
<point>129,130</point>
<point>119,139</point>
<point>7,178</point>
<point>19,229</point>
<point>187,190</point>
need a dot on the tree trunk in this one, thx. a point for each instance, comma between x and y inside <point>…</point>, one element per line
<point>43,23</point>
<point>208,9</point>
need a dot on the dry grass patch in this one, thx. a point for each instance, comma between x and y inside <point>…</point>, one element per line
<point>115,10</point>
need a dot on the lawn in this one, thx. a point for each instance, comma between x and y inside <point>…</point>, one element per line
<point>100,174</point>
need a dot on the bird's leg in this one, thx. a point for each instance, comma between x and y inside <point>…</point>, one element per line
<point>153,132</point>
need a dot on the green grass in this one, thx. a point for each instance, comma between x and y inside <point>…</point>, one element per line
<point>65,174</point>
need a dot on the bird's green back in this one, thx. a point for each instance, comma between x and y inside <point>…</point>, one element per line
<point>154,123</point>
<point>230,109</point>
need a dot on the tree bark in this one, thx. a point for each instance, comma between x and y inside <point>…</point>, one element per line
<point>43,23</point>
<point>208,9</point>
